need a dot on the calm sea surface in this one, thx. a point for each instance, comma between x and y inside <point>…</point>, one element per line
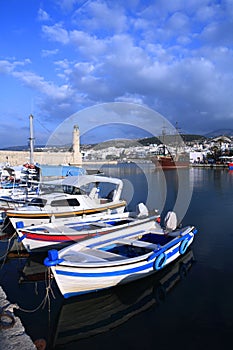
<point>188,305</point>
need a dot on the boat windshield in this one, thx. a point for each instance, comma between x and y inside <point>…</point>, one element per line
<point>51,188</point>
<point>73,190</point>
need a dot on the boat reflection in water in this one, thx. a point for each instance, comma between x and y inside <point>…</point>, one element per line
<point>92,314</point>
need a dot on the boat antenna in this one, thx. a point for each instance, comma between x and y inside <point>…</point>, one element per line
<point>31,140</point>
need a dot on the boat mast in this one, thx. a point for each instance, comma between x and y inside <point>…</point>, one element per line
<point>31,140</point>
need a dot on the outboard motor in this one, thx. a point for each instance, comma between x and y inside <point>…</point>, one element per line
<point>170,221</point>
<point>142,210</point>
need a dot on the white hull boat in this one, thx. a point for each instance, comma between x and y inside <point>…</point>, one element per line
<point>79,195</point>
<point>117,258</point>
<point>65,232</point>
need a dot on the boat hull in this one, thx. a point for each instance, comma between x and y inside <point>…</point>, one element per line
<point>42,238</point>
<point>41,217</point>
<point>74,280</point>
<point>167,162</point>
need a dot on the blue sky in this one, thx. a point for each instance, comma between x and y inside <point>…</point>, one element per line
<point>59,57</point>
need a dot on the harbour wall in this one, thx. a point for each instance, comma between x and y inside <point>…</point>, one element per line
<point>210,166</point>
<point>15,158</point>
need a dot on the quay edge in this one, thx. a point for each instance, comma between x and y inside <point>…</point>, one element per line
<point>210,166</point>
<point>12,332</point>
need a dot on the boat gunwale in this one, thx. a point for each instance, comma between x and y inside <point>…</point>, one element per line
<point>148,257</point>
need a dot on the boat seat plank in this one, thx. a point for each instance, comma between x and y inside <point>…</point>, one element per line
<point>103,254</point>
<point>141,244</point>
<point>92,255</point>
<point>80,258</point>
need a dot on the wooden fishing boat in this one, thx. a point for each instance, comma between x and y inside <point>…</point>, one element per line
<point>117,258</point>
<point>169,161</point>
<point>65,232</point>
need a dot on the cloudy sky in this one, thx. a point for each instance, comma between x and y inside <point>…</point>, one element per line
<point>59,57</point>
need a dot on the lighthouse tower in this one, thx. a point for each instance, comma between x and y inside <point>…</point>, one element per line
<point>76,154</point>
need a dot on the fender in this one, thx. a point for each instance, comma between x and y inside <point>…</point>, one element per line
<point>184,246</point>
<point>160,261</point>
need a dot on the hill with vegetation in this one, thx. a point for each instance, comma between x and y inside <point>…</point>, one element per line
<point>122,143</point>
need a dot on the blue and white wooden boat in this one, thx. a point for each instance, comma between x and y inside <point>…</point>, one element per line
<point>69,231</point>
<point>117,258</point>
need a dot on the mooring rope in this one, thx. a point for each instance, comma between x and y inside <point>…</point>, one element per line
<point>7,319</point>
<point>46,298</point>
<point>6,225</point>
<point>7,250</point>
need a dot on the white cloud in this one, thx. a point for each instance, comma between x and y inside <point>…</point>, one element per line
<point>101,16</point>
<point>43,16</point>
<point>89,46</point>
<point>173,56</point>
<point>47,53</point>
<point>56,33</point>
<point>178,23</point>
<point>68,5</point>
<point>9,66</point>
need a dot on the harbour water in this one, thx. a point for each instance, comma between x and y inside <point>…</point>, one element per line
<point>188,305</point>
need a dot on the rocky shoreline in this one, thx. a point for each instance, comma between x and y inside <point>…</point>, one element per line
<point>12,332</point>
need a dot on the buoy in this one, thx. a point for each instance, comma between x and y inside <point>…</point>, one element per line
<point>40,344</point>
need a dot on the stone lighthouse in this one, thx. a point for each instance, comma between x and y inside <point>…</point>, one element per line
<point>76,154</point>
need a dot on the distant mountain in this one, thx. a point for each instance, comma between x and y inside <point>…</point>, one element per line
<point>15,148</point>
<point>220,132</point>
<point>185,138</point>
<point>118,143</point>
<point>21,148</point>
<point>37,148</point>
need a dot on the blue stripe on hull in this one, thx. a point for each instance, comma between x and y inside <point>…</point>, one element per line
<point>125,272</point>
<point>105,274</point>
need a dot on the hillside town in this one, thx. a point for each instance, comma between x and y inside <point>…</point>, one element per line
<point>216,150</point>
<point>199,151</point>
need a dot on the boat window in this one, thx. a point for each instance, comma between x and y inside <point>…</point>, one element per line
<point>69,202</point>
<point>68,189</point>
<point>37,202</point>
<point>73,190</point>
<point>105,189</point>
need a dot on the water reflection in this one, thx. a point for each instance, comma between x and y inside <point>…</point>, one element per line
<point>160,189</point>
<point>202,302</point>
<point>218,179</point>
<point>61,321</point>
